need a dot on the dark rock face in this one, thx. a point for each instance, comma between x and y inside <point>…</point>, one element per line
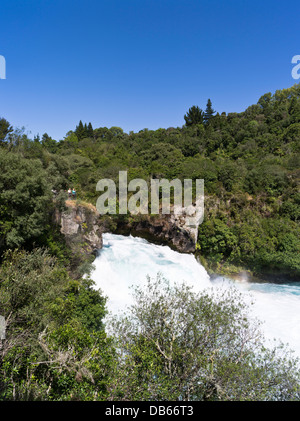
<point>161,229</point>
<point>83,227</point>
<point>179,229</point>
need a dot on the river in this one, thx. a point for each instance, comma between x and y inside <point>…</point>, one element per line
<point>125,262</point>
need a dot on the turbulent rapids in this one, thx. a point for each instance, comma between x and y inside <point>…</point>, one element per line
<point>125,262</point>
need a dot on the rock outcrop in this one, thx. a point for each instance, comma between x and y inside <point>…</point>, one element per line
<point>159,230</point>
<point>172,230</point>
<point>178,229</point>
<point>82,227</point>
<point>80,224</point>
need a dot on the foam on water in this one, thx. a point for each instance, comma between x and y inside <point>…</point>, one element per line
<point>278,306</point>
<point>126,261</point>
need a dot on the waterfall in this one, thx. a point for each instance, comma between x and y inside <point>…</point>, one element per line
<point>125,262</point>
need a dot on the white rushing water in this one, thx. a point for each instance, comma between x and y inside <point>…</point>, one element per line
<point>126,261</point>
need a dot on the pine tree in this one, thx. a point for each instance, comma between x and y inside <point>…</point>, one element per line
<point>80,131</point>
<point>90,131</point>
<point>209,112</point>
<point>194,116</point>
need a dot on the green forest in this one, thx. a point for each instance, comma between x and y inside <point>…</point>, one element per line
<point>58,345</point>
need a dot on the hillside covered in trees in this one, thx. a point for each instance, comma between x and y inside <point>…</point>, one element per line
<point>249,162</point>
<point>56,346</point>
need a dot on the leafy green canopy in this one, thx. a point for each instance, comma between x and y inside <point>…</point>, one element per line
<point>55,346</point>
<point>5,129</point>
<point>25,199</point>
<point>175,344</point>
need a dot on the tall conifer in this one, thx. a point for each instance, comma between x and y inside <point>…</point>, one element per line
<point>209,112</point>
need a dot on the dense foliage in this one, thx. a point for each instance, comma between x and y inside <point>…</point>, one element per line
<point>176,344</point>
<point>173,344</point>
<point>57,347</point>
<point>24,200</point>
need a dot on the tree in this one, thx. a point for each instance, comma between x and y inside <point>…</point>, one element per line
<point>194,116</point>
<point>80,131</point>
<point>36,138</point>
<point>71,140</point>
<point>55,346</point>
<point>49,143</point>
<point>84,130</point>
<point>25,200</point>
<point>116,131</point>
<point>90,131</point>
<point>176,344</point>
<point>5,129</point>
<point>209,112</point>
<point>265,101</point>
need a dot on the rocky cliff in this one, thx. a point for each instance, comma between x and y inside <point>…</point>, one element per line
<point>81,223</point>
<point>175,229</point>
<point>81,227</point>
<point>160,229</point>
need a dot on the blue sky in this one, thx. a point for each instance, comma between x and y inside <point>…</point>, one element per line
<point>140,63</point>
